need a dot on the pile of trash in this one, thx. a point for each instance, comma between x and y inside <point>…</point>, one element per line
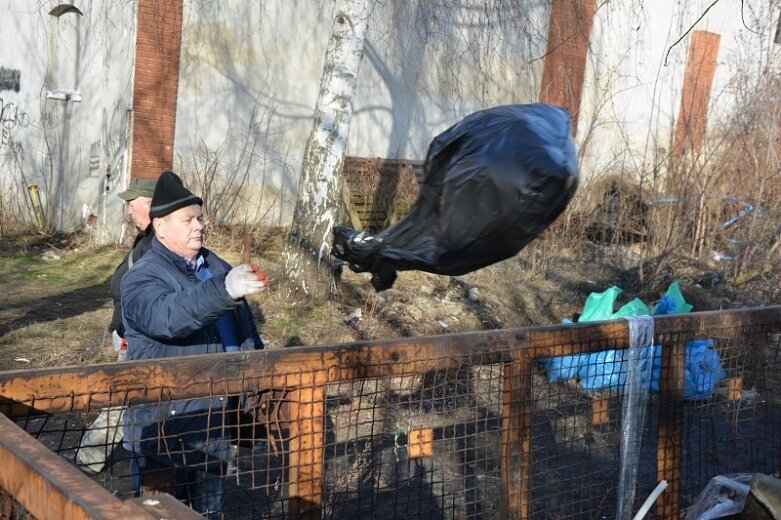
<point>749,496</point>
<point>608,369</point>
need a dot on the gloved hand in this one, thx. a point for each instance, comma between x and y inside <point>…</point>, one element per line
<point>243,280</point>
<point>116,341</point>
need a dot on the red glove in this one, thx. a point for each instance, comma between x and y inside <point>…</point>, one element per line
<point>261,277</point>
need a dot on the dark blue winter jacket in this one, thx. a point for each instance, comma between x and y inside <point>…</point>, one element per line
<point>168,312</point>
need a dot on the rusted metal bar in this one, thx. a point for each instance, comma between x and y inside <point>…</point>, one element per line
<point>516,440</point>
<point>307,430</point>
<point>89,387</point>
<point>670,426</point>
<point>50,488</point>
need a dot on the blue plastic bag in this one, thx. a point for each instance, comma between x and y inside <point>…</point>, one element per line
<point>562,368</point>
<point>609,368</point>
<point>703,370</point>
<point>666,305</point>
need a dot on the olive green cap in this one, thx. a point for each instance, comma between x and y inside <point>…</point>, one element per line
<point>139,188</point>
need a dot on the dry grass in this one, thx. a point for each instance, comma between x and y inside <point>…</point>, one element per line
<point>56,312</point>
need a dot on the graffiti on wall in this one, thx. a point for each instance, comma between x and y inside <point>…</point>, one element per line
<point>102,163</point>
<point>94,158</point>
<point>105,168</point>
<point>10,79</point>
<point>107,152</point>
<point>12,116</point>
<point>106,163</point>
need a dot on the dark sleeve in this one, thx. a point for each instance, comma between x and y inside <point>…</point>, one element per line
<point>116,280</point>
<point>246,321</point>
<point>155,309</point>
<point>141,245</point>
<point>247,324</point>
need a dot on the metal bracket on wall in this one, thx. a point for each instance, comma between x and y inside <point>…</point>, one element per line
<point>64,95</point>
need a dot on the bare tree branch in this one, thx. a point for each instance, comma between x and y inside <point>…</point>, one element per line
<point>670,48</point>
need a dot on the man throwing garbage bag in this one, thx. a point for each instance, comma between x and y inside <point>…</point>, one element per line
<point>181,299</point>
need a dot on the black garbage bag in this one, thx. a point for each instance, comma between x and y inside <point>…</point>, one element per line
<point>493,183</point>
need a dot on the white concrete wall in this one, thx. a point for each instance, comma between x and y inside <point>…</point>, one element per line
<point>66,146</point>
<point>250,77</point>
<point>634,77</point>
<point>250,73</point>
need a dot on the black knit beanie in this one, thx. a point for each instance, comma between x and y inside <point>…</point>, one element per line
<point>170,195</point>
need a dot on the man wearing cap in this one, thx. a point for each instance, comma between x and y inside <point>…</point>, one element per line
<point>104,433</point>
<point>138,198</point>
<point>181,299</point>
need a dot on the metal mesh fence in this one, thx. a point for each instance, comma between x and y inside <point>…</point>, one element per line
<point>11,509</point>
<point>523,423</point>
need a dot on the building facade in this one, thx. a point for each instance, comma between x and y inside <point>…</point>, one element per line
<point>93,93</point>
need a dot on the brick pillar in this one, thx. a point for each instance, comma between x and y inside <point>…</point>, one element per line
<point>697,84</point>
<point>565,61</point>
<point>155,84</point>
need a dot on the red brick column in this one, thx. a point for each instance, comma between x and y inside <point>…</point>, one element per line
<point>565,62</point>
<point>697,84</point>
<point>155,84</point>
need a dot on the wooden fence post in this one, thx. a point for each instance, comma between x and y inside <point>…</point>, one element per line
<point>307,416</point>
<point>668,454</point>
<point>516,440</point>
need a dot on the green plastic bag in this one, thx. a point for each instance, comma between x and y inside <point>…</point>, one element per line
<point>634,308</point>
<point>674,292</point>
<point>599,306</point>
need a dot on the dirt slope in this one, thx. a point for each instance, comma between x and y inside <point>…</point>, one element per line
<point>55,304</point>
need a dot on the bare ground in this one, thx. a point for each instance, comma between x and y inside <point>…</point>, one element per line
<point>55,311</point>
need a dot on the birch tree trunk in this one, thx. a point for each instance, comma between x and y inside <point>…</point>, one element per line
<point>308,251</point>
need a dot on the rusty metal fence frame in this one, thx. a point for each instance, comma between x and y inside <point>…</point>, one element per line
<point>48,487</point>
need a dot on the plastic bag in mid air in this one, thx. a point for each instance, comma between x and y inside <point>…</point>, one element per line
<point>493,183</point>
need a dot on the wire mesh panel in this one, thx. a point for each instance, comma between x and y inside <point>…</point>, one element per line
<point>399,447</point>
<point>736,428</point>
<point>11,509</point>
<point>576,430</point>
<point>220,455</point>
<point>527,423</point>
<point>416,446</point>
<point>574,453</point>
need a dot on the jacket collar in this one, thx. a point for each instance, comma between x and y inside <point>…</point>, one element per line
<point>142,235</point>
<point>177,260</point>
